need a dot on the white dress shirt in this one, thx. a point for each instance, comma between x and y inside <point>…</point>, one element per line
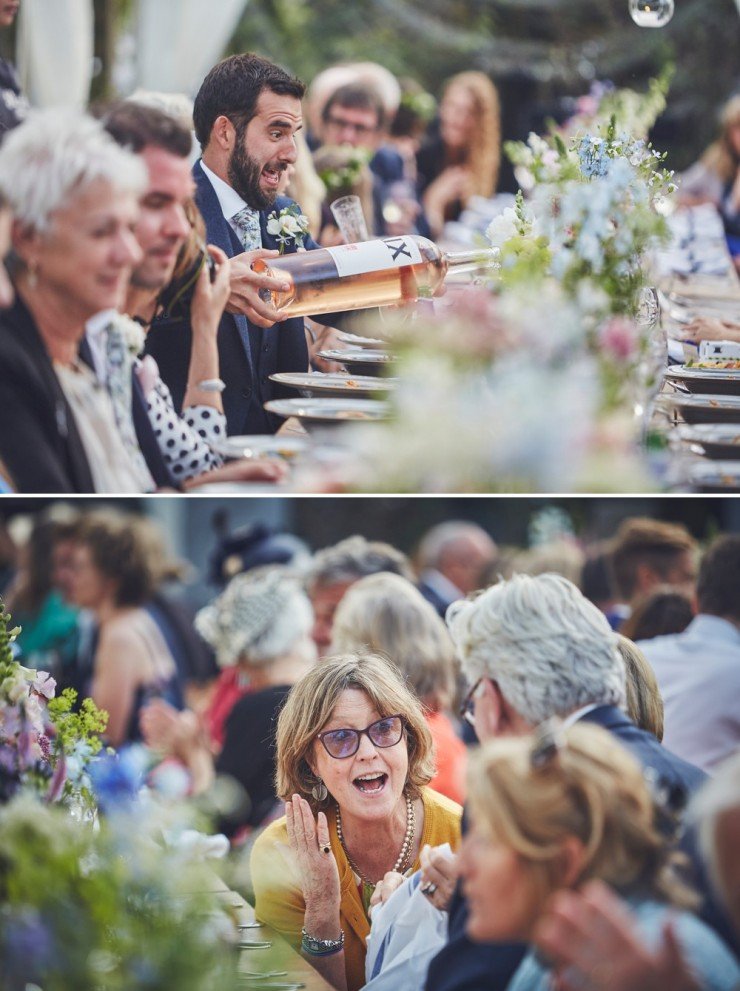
<point>229,200</point>
<point>698,674</point>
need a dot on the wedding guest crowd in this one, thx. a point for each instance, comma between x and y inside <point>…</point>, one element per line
<point>595,850</point>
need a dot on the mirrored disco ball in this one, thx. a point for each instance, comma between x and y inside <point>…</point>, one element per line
<point>651,13</point>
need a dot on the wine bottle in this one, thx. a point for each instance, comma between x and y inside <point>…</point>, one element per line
<point>372,273</point>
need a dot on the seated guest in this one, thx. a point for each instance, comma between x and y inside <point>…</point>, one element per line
<point>117,566</point>
<point>172,276</point>
<point>644,702</point>
<point>384,613</point>
<point>463,159</point>
<point>662,611</point>
<point>646,553</point>
<point>554,811</point>
<point>532,648</point>
<point>354,759</point>
<point>261,623</point>
<point>335,568</point>
<point>697,670</point>
<point>451,559</point>
<point>74,194</point>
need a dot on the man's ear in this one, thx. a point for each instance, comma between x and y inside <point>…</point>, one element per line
<point>223,134</point>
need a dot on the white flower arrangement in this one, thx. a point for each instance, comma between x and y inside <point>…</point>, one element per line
<point>288,225</point>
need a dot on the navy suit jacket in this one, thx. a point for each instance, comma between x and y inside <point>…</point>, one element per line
<point>248,354</point>
<point>463,965</point>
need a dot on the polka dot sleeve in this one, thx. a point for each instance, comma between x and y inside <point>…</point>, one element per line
<point>185,442</point>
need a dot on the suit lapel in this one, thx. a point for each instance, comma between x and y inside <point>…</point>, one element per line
<point>221,234</point>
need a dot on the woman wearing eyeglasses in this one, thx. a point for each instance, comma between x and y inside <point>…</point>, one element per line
<point>354,755</point>
<point>557,810</point>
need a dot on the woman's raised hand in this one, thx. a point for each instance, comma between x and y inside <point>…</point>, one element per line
<point>439,873</point>
<point>317,867</point>
<point>210,297</point>
<point>385,888</point>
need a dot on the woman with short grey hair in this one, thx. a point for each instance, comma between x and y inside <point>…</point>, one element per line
<point>74,195</point>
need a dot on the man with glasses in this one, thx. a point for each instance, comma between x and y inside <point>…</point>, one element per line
<point>355,116</point>
<point>534,648</point>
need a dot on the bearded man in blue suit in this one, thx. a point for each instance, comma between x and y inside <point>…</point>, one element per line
<point>246,115</point>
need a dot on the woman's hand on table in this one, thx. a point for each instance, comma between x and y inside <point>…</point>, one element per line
<point>243,470</point>
<point>439,873</point>
<point>318,871</point>
<point>710,329</point>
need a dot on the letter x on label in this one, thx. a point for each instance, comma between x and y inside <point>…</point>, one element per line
<point>398,247</point>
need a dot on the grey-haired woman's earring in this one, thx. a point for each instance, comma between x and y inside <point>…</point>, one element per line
<point>319,791</point>
<point>33,275</point>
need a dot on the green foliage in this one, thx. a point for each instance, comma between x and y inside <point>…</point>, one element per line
<point>84,726</point>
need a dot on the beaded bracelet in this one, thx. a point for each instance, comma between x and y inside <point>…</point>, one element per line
<point>321,947</point>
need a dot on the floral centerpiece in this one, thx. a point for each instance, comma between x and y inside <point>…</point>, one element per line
<point>537,387</point>
<point>45,745</point>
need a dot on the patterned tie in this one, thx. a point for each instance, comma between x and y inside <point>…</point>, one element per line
<point>246,223</point>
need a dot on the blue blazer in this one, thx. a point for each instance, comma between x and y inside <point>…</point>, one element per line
<point>248,354</point>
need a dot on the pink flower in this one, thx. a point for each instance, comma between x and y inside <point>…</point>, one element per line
<point>619,338</point>
<point>44,684</point>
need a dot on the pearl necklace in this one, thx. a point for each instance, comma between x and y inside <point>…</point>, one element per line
<point>408,841</point>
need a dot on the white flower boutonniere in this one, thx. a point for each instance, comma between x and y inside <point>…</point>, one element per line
<point>288,225</point>
<point>132,333</point>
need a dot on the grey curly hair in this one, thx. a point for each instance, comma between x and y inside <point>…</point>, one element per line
<point>549,649</point>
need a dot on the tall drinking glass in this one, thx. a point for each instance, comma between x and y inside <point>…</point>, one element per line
<point>347,211</point>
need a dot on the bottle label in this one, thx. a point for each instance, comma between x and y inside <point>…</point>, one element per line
<point>375,256</point>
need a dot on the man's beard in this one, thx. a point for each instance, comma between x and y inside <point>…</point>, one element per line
<point>244,178</point>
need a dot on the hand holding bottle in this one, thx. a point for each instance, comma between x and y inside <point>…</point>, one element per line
<point>245,287</point>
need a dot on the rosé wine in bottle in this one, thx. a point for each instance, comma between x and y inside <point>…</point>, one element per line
<point>372,273</point>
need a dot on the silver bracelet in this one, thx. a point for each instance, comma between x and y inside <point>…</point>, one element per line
<point>211,385</point>
<point>321,947</point>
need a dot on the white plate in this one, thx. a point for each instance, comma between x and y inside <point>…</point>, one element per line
<point>333,383</point>
<point>365,356</point>
<point>330,410</point>
<point>706,408</point>
<point>262,445</point>
<point>354,340</point>
<point>715,474</point>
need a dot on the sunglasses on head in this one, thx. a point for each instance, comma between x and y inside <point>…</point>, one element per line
<point>341,743</point>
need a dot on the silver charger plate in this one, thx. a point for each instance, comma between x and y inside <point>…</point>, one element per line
<point>354,340</point>
<point>719,441</point>
<point>311,384</point>
<point>262,445</point>
<point>366,356</point>
<point>327,411</point>
<point>715,475</point>
<point>706,408</point>
<point>722,381</point>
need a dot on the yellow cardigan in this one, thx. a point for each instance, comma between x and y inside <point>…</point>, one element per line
<point>279,899</point>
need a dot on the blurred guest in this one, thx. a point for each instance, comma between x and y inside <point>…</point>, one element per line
<point>117,567</point>
<point>6,220</point>
<point>13,104</point>
<point>697,670</point>
<point>335,568</point>
<point>533,648</point>
<point>582,929</point>
<point>74,194</point>
<point>646,553</point>
<point>715,178</point>
<point>451,559</point>
<point>644,702</point>
<point>387,615</point>
<point>49,637</point>
<point>663,611</point>
<point>559,809</point>
<point>261,623</point>
<point>463,159</point>
<point>344,172</point>
<point>597,584</point>
<point>557,557</point>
